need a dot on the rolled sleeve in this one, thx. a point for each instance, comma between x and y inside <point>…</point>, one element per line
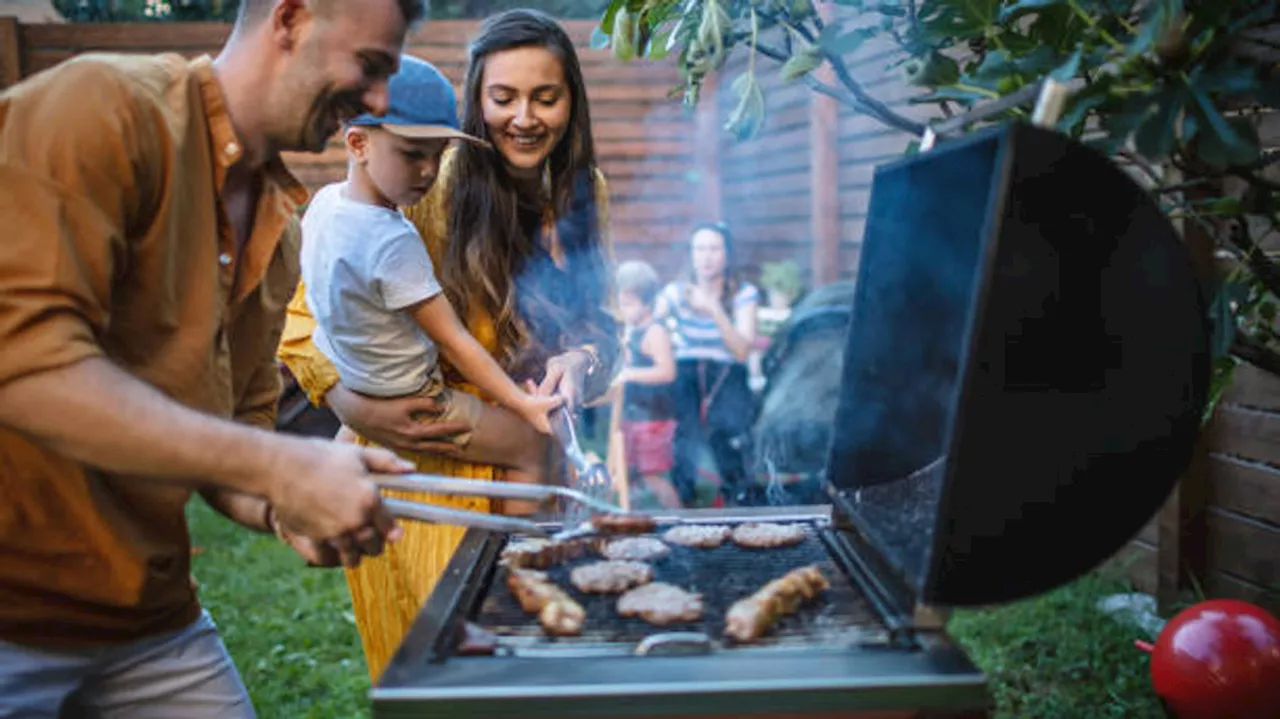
<point>69,186</point>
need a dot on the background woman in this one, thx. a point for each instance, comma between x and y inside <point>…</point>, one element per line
<point>712,314</point>
<point>518,234</point>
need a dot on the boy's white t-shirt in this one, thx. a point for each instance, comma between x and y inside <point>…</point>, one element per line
<point>362,266</point>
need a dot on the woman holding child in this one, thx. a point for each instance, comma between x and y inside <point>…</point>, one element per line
<point>516,230</point>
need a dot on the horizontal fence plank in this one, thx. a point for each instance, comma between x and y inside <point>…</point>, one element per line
<point>1255,388</point>
<point>1224,585</point>
<point>1246,433</point>
<point>793,181</point>
<point>1246,488</point>
<point>1244,547</point>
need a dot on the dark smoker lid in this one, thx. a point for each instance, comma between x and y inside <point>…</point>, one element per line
<point>1025,369</point>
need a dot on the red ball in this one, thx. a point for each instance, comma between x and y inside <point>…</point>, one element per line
<point>1219,659</point>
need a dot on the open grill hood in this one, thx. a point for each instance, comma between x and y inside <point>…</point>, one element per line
<point>1025,370</point>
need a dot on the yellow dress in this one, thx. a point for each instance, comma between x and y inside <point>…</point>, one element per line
<point>388,591</point>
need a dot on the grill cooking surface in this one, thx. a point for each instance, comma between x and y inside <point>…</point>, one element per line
<point>722,576</point>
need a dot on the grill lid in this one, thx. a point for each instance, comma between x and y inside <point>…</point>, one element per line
<point>1025,370</point>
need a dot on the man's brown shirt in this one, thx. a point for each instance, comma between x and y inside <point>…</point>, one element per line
<point>114,242</point>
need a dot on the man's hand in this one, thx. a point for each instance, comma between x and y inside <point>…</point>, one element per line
<point>401,423</point>
<point>322,491</point>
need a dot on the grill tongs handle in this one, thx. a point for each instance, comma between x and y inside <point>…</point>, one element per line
<point>437,484</point>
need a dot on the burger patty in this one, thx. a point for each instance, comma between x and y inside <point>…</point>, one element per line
<point>765,535</point>
<point>640,549</point>
<point>661,604</point>
<point>701,536</point>
<point>610,576</point>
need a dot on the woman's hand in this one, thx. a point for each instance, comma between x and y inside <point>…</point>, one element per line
<point>401,423</point>
<point>566,375</point>
<point>701,301</point>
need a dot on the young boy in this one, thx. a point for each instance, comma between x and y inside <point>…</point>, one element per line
<point>382,318</point>
<point>648,413</point>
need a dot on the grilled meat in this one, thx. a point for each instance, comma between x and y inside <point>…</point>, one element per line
<point>623,523</point>
<point>640,549</point>
<point>764,535</point>
<point>661,603</point>
<point>748,619</point>
<point>702,536</point>
<point>541,553</point>
<point>558,613</point>
<point>611,576</point>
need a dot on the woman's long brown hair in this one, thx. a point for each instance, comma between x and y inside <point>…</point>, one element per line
<point>494,251</point>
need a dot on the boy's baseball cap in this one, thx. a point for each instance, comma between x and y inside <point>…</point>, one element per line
<point>420,105</point>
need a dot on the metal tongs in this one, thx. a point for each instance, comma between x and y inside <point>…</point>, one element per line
<point>593,477</point>
<point>436,484</point>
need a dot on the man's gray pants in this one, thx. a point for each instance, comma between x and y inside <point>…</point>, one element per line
<point>186,674</point>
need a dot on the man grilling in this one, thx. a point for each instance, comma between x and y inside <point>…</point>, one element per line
<point>150,247</point>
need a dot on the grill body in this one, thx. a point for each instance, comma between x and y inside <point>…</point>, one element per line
<point>853,653</point>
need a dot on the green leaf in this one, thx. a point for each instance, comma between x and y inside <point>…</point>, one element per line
<point>1223,316</point>
<point>1038,61</point>
<point>1155,137</point>
<point>1157,21</point>
<point>1023,7</point>
<point>599,39</point>
<point>1267,311</point>
<point>1230,78</point>
<point>606,22</point>
<point>1068,69</point>
<point>996,65</point>
<point>804,61</point>
<point>1079,104</point>
<point>1223,143</point>
<point>659,45</point>
<point>1057,27</point>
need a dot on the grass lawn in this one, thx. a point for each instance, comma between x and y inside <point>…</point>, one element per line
<point>292,634</point>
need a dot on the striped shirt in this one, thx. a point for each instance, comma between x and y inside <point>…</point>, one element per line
<point>695,336</point>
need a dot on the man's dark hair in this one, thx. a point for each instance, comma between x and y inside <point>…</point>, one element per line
<point>253,11</point>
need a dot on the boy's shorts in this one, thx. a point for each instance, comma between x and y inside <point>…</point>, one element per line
<point>650,445</point>
<point>455,406</point>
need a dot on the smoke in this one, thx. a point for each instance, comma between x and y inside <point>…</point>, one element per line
<point>668,170</point>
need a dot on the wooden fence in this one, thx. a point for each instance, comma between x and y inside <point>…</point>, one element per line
<point>645,143</point>
<point>797,191</point>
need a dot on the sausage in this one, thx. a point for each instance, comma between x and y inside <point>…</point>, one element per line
<point>748,619</point>
<point>557,612</point>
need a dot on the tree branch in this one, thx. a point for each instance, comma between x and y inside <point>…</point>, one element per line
<point>858,99</point>
<point>1263,268</point>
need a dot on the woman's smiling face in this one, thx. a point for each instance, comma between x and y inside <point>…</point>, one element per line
<point>526,105</point>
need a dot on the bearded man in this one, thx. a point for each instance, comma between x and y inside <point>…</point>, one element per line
<point>150,247</point>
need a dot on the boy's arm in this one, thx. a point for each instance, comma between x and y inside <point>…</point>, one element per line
<point>438,319</point>
<point>656,344</point>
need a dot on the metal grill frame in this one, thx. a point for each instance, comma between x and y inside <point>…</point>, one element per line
<point>915,670</point>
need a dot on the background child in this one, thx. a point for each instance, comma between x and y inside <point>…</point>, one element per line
<point>382,318</point>
<point>648,415</point>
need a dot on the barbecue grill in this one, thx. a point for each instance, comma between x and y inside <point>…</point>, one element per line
<point>1025,369</point>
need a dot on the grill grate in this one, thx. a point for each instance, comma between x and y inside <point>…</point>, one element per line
<point>722,575</point>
